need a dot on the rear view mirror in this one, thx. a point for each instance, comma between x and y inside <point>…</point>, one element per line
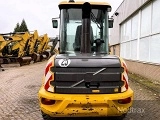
<point>110,22</point>
<point>55,23</point>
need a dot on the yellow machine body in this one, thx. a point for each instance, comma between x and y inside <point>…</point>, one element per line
<point>70,105</point>
<point>83,105</point>
<point>57,97</point>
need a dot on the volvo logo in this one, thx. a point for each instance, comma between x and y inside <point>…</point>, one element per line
<point>64,62</point>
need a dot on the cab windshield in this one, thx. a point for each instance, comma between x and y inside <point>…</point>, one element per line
<point>71,24</point>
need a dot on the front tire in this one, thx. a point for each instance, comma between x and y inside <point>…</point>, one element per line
<point>120,117</point>
<point>47,117</point>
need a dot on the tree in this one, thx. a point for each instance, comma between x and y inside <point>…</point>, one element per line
<point>22,27</point>
<point>17,28</point>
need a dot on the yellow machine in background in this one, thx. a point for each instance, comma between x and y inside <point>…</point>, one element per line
<point>23,47</point>
<point>43,40</point>
<point>22,40</point>
<point>33,42</point>
<point>16,48</point>
<point>3,43</point>
<point>54,46</point>
<point>43,46</point>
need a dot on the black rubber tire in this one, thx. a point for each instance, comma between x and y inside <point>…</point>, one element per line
<point>47,117</point>
<point>119,117</point>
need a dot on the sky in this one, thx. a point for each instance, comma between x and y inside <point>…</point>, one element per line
<point>37,14</point>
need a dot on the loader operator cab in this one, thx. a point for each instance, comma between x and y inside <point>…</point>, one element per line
<point>71,25</point>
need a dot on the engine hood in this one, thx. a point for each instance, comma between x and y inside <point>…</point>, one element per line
<point>87,60</point>
<point>86,73</point>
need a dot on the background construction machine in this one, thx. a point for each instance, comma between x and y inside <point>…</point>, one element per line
<point>54,46</point>
<point>42,47</point>
<point>31,47</point>
<point>83,80</point>
<point>23,47</point>
<point>15,49</point>
<point>3,43</point>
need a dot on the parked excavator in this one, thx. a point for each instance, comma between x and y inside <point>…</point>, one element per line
<point>15,47</point>
<point>84,80</point>
<point>33,42</point>
<point>42,46</point>
<point>53,48</point>
<point>3,43</point>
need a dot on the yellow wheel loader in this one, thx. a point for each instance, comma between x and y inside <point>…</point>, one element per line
<point>83,80</point>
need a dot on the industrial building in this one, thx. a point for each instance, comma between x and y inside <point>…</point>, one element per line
<point>136,36</point>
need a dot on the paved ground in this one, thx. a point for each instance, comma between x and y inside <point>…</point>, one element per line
<point>19,87</point>
<point>18,92</point>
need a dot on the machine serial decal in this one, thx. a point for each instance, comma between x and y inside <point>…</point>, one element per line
<point>64,62</point>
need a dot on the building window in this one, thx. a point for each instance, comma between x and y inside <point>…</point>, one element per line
<point>144,49</point>
<point>155,49</point>
<point>140,35</point>
<point>146,21</point>
<point>129,34</point>
<point>156,17</point>
<point>135,27</point>
<point>134,49</point>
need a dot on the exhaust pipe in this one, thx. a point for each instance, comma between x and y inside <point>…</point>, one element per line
<point>86,26</point>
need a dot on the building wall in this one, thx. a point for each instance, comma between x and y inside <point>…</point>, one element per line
<point>115,49</point>
<point>140,35</point>
<point>125,10</point>
<point>146,70</point>
<point>137,30</point>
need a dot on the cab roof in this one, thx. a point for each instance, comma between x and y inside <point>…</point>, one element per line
<point>78,4</point>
